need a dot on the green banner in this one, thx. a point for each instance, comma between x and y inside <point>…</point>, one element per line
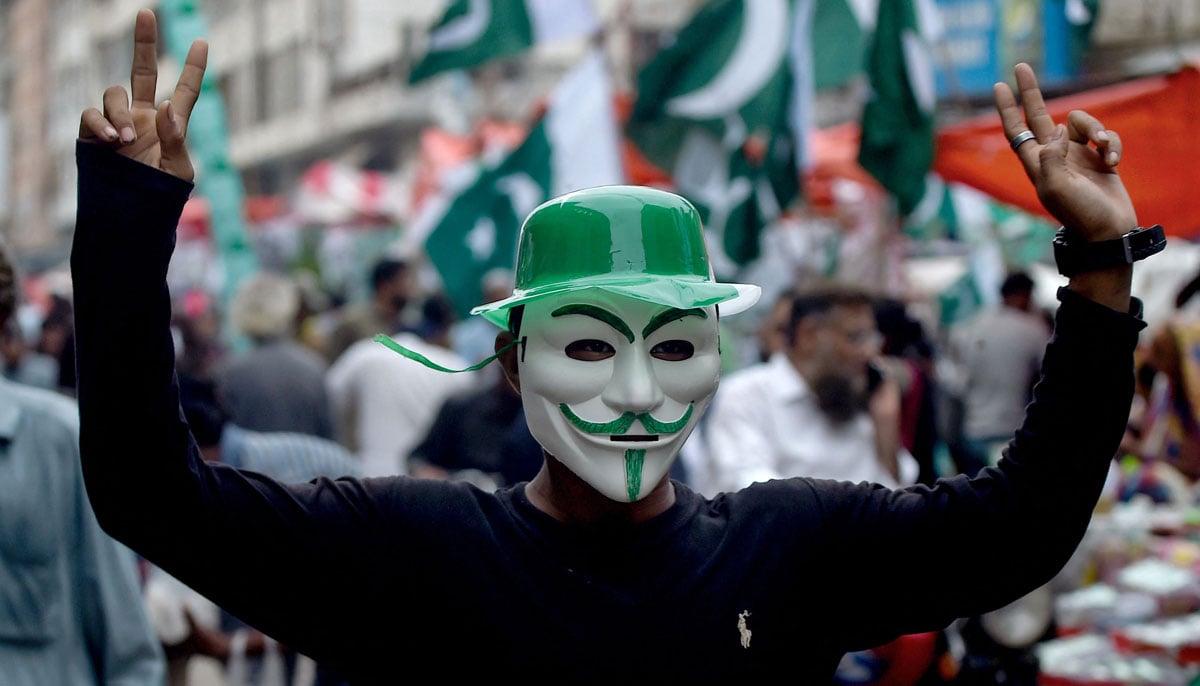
<point>208,142</point>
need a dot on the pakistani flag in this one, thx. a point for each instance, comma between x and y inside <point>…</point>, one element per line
<point>472,32</point>
<point>897,120</point>
<point>724,109</point>
<point>841,29</point>
<point>472,229</point>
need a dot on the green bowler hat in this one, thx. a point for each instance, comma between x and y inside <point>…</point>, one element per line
<point>635,241</point>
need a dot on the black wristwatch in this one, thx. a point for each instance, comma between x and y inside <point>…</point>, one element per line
<point>1077,257</point>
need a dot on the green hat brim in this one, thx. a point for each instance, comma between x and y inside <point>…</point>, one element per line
<point>669,291</point>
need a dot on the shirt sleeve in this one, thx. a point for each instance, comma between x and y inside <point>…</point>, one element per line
<point>235,536</point>
<point>739,452</point>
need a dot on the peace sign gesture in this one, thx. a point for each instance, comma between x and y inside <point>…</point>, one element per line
<point>1073,167</point>
<point>138,129</point>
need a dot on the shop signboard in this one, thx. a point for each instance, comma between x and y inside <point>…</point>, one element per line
<point>983,39</point>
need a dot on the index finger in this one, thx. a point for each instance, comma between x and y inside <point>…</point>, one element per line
<point>187,89</point>
<point>1036,116</point>
<point>143,74</point>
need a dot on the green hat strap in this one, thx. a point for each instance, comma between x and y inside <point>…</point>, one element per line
<point>418,357</point>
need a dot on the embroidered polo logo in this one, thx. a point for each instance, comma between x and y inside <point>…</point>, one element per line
<point>743,629</point>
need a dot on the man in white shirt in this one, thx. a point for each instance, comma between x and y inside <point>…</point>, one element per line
<point>816,408</point>
<point>385,404</point>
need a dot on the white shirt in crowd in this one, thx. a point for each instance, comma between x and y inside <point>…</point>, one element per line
<point>387,402</point>
<point>765,424</point>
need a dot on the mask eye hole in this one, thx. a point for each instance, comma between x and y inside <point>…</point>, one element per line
<point>589,350</point>
<point>673,351</point>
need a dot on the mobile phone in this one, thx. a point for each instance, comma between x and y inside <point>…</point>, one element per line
<point>874,377</point>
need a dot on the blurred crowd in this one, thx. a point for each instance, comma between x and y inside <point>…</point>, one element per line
<point>841,384</point>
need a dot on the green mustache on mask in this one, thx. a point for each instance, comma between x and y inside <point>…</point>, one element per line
<point>621,424</point>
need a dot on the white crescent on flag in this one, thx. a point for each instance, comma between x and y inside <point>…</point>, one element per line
<point>523,193</point>
<point>761,46</point>
<point>464,30</point>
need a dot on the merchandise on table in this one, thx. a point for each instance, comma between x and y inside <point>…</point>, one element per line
<point>1090,660</point>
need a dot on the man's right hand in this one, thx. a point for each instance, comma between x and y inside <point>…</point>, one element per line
<point>140,130</point>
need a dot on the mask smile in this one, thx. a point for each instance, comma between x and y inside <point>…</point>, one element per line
<point>613,386</point>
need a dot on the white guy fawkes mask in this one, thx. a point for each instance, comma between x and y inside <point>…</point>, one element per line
<point>612,386</point>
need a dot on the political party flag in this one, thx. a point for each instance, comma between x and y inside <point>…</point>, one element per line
<point>898,117</point>
<point>472,32</point>
<point>471,227</point>
<point>724,110</point>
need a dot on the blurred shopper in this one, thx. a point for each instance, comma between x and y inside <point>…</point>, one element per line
<point>279,384</point>
<point>999,353</point>
<point>1170,423</point>
<point>475,337</point>
<point>70,609</point>
<point>384,404</point>
<point>479,432</point>
<point>601,569</point>
<point>191,626</point>
<point>907,355</point>
<point>22,363</point>
<point>314,308</point>
<point>196,334</point>
<point>773,330</point>
<point>391,290</point>
<point>818,408</point>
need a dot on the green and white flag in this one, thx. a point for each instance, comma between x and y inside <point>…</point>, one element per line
<point>472,32</point>
<point>841,31</point>
<point>898,118</point>
<point>724,110</point>
<point>472,228</point>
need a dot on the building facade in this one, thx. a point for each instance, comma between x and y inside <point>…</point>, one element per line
<point>306,80</point>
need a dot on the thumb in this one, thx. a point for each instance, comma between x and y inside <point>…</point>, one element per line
<point>174,154</point>
<point>1053,156</point>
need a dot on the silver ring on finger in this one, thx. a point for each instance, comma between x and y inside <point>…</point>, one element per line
<point>1023,137</point>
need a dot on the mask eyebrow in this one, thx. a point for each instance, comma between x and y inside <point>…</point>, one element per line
<point>596,313</point>
<point>667,316</point>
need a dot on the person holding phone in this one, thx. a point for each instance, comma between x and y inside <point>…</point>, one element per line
<point>820,407</point>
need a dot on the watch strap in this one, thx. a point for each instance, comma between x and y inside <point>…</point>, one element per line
<point>1074,257</point>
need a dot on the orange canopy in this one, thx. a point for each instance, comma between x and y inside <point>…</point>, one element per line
<point>1156,118</point>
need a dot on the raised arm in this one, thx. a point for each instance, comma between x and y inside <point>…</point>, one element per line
<point>1073,166</point>
<point>237,537</point>
<point>976,544</point>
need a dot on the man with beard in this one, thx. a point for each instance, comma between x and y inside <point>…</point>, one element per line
<point>817,408</point>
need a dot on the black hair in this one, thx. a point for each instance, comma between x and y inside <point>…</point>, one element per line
<point>515,315</point>
<point>385,270</point>
<point>820,300</point>
<point>1016,283</point>
<point>902,334</point>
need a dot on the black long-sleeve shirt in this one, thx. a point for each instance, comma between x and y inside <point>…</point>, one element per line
<point>377,577</point>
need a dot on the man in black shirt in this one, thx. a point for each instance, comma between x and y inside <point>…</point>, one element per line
<point>601,568</point>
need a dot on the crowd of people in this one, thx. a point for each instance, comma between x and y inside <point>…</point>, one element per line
<point>286,494</point>
<point>848,386</point>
